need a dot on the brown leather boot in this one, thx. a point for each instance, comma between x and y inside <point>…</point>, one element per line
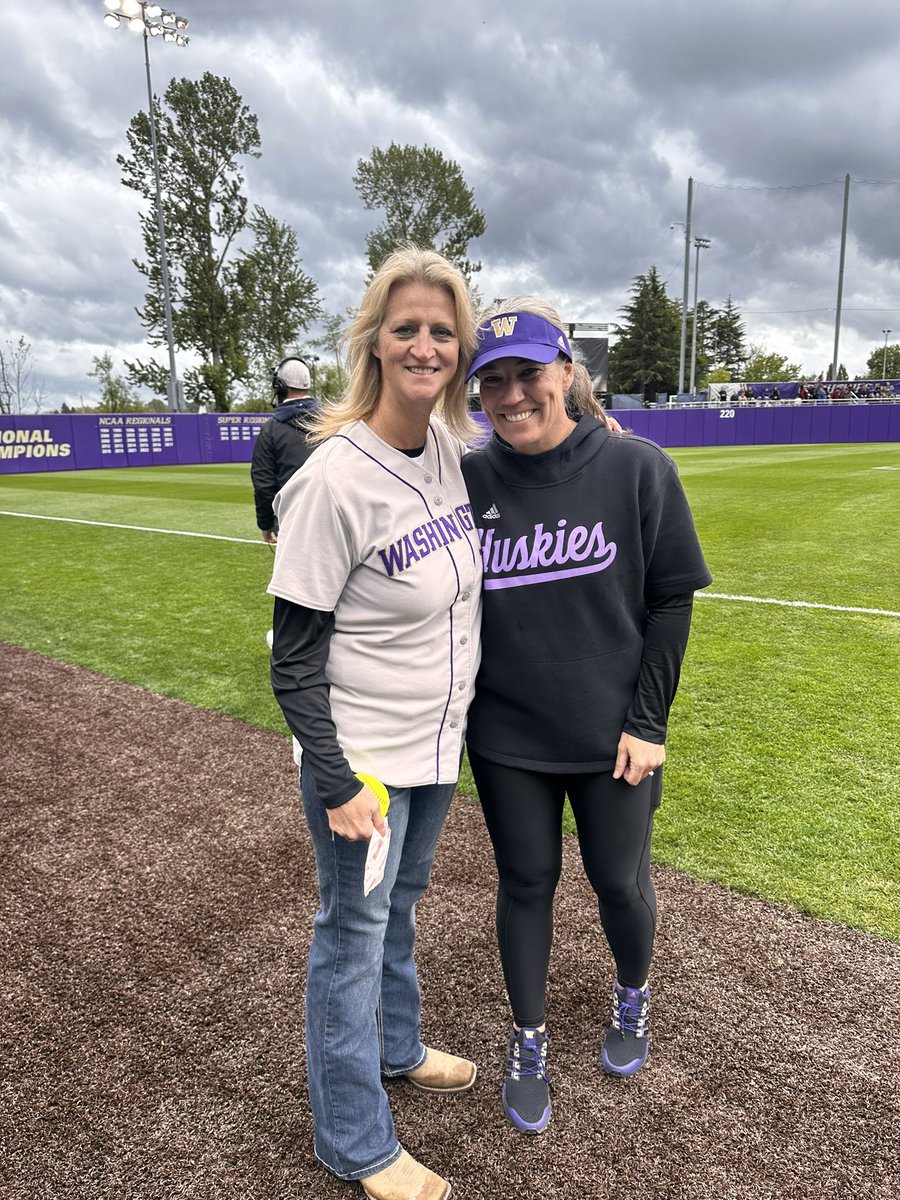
<point>405,1179</point>
<point>442,1072</point>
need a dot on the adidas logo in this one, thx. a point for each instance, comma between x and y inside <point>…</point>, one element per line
<point>561,341</point>
<point>492,514</point>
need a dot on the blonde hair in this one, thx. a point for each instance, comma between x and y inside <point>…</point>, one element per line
<point>580,397</point>
<point>408,264</point>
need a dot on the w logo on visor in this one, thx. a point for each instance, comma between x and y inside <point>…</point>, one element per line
<point>503,326</point>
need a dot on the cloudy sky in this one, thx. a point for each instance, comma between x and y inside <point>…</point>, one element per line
<point>577,123</point>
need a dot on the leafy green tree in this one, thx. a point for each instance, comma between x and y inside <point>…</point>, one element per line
<point>18,390</point>
<point>425,200</point>
<point>275,315</point>
<point>646,355</point>
<point>765,366</point>
<point>881,365</point>
<point>226,309</point>
<point>116,395</point>
<point>330,383</point>
<point>254,400</point>
<point>332,340</point>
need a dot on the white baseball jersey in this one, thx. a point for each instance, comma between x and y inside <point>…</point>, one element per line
<point>388,544</point>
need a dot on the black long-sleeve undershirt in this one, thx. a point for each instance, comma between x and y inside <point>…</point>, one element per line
<point>300,652</point>
<point>665,642</point>
<point>301,638</point>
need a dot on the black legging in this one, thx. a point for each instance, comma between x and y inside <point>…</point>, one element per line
<point>523,811</point>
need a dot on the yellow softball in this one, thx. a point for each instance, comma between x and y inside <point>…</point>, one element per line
<point>378,790</point>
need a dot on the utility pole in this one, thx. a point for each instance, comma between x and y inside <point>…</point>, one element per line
<point>687,281</point>
<point>840,292</point>
<point>701,243</point>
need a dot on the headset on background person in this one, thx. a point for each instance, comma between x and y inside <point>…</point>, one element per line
<point>279,387</point>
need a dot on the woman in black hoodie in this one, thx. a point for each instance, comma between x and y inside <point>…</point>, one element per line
<point>590,564</point>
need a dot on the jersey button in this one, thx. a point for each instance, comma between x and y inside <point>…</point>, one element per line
<point>439,500</point>
<point>466,595</point>
<point>428,479</point>
<point>463,640</point>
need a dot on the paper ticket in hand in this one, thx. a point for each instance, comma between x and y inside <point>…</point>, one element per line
<point>376,859</point>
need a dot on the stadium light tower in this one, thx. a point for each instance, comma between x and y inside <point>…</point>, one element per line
<point>700,243</point>
<point>152,20</point>
<point>884,355</point>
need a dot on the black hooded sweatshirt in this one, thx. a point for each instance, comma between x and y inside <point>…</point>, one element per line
<point>590,560</point>
<point>281,449</point>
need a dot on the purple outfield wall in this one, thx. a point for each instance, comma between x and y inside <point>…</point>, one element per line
<point>80,442</point>
<point>793,425</point>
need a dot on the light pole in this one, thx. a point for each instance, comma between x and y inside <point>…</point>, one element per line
<point>701,244</point>
<point>884,355</point>
<point>152,20</point>
<point>687,274</point>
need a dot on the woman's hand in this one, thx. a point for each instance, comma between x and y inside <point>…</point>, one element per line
<point>636,759</point>
<point>356,819</point>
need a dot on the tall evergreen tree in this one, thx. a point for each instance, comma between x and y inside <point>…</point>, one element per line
<point>645,356</point>
<point>730,343</point>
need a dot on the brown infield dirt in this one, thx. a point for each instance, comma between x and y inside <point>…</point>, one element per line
<point>157,894</point>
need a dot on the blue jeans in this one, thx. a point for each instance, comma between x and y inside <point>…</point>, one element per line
<point>362,994</point>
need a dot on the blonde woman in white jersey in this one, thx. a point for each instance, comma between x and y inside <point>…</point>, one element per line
<point>377,582</point>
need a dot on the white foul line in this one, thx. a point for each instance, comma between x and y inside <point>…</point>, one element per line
<point>219,537</point>
<point>216,537</point>
<point>875,612</point>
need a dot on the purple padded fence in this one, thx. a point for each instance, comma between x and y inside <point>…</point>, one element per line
<point>796,425</point>
<point>78,442</point>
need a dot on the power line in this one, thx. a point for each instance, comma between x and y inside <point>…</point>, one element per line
<point>791,187</point>
<point>780,312</point>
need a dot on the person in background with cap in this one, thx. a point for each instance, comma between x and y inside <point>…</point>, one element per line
<point>281,447</point>
<point>590,563</point>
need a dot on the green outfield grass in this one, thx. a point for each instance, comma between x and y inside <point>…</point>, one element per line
<point>783,774</point>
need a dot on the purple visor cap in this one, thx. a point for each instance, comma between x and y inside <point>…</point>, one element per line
<point>518,335</point>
